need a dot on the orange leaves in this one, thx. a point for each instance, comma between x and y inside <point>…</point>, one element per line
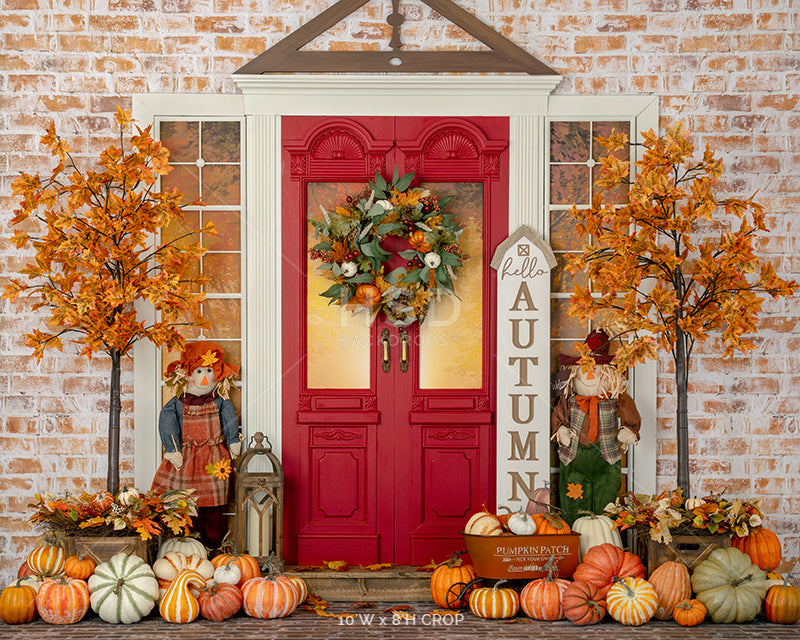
<point>94,256</point>
<point>656,273</point>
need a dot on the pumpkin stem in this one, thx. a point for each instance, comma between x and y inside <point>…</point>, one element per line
<point>498,583</point>
<point>550,565</point>
<point>624,583</point>
<point>738,581</point>
<point>118,586</point>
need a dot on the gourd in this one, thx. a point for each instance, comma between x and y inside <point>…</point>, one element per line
<point>595,530</point>
<point>127,495</point>
<point>18,603</point>
<point>671,582</point>
<point>62,600</point>
<point>782,604</point>
<point>631,601</point>
<point>220,601</point>
<point>123,590</point>
<point>541,599</point>
<point>173,562</point>
<point>178,605</point>
<point>521,524</point>
<point>494,603</point>
<point>247,564</point>
<point>227,573</point>
<point>603,563</point>
<point>47,560</point>
<point>689,613</point>
<point>269,597</point>
<point>483,523</point>
<point>547,523</point>
<point>452,574</point>
<point>79,567</point>
<point>582,603</point>
<point>763,547</point>
<point>187,546</point>
<point>730,586</point>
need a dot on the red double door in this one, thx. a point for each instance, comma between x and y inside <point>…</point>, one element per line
<point>388,434</point>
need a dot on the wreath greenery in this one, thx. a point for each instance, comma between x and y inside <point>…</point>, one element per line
<point>352,256</point>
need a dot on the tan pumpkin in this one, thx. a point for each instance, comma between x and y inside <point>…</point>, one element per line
<point>178,605</point>
<point>188,546</point>
<point>631,601</point>
<point>672,584</point>
<point>494,603</point>
<point>483,523</point>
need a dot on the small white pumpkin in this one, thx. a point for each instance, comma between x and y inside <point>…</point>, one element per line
<point>228,573</point>
<point>595,530</point>
<point>693,503</point>
<point>127,495</point>
<point>432,260</point>
<point>349,269</point>
<point>123,590</point>
<point>32,581</point>
<point>187,546</point>
<point>521,524</point>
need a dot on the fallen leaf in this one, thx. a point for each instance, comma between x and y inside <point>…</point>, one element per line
<point>377,567</point>
<point>399,607</point>
<point>336,565</point>
<point>362,605</point>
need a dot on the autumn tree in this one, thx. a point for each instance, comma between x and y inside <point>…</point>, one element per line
<point>92,233</point>
<point>658,274</point>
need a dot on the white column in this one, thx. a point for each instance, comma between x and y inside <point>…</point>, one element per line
<point>527,179</point>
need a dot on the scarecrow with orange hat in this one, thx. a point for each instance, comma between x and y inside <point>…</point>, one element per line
<point>594,421</point>
<point>199,428</point>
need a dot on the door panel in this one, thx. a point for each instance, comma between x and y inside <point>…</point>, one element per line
<point>385,466</point>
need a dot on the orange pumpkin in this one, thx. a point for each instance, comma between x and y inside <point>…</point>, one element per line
<point>549,523</point>
<point>101,501</point>
<point>269,597</point>
<point>450,583</point>
<point>302,587</point>
<point>247,564</point>
<point>47,560</point>
<point>582,603</point>
<point>603,563</point>
<point>672,584</point>
<point>79,567</point>
<point>763,547</point>
<point>220,601</point>
<point>417,241</point>
<point>782,604</point>
<point>494,603</point>
<point>18,603</point>
<point>367,295</point>
<point>542,599</point>
<point>62,600</point>
<point>689,613</point>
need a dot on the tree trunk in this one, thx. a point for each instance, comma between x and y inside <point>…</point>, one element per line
<point>682,417</point>
<point>114,410</point>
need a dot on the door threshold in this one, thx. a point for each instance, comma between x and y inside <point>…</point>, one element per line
<point>394,584</point>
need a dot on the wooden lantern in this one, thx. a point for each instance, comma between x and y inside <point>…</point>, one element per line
<point>259,502</point>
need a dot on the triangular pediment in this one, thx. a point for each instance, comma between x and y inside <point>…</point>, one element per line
<point>500,56</point>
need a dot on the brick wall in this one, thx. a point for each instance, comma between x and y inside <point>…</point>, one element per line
<point>729,68</point>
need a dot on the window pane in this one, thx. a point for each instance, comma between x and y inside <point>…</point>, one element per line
<point>225,317</point>
<point>337,342</point>
<point>221,142</point>
<point>221,184</point>
<point>229,232</point>
<point>186,179</point>
<point>181,138</point>
<point>563,234</point>
<point>180,228</point>
<point>564,325</point>
<point>562,281</point>
<point>451,338</point>
<point>223,271</point>
<point>569,184</point>
<point>605,129</point>
<point>569,141</point>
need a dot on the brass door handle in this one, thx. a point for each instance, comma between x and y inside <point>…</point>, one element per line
<point>387,363</point>
<point>404,350</point>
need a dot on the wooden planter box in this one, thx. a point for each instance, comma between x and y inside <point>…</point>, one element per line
<point>512,557</point>
<point>101,548</point>
<point>687,548</point>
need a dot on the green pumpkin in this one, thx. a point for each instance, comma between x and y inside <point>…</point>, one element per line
<point>730,586</point>
<point>123,590</point>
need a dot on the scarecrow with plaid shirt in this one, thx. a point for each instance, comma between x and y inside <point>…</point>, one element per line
<point>199,429</point>
<point>594,420</point>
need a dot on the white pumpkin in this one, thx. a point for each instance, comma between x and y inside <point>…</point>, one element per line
<point>228,573</point>
<point>123,590</point>
<point>595,530</point>
<point>521,524</point>
<point>173,562</point>
<point>693,503</point>
<point>186,546</point>
<point>127,495</point>
<point>32,581</point>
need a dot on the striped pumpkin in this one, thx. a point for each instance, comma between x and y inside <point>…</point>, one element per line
<point>178,605</point>
<point>302,587</point>
<point>173,562</point>
<point>47,560</point>
<point>220,601</point>
<point>124,589</point>
<point>494,603</point>
<point>267,597</point>
<point>483,523</point>
<point>631,601</point>
<point>62,600</point>
<point>541,599</point>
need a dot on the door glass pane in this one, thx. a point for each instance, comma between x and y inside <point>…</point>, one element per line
<point>337,342</point>
<point>451,338</point>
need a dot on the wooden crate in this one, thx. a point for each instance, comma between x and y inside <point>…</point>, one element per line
<point>687,548</point>
<point>101,548</point>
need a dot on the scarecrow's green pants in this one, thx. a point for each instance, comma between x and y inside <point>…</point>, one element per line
<point>588,483</point>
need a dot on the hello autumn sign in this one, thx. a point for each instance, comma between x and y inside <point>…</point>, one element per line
<point>523,263</point>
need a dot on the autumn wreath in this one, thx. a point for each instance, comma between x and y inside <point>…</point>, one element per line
<point>354,260</point>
